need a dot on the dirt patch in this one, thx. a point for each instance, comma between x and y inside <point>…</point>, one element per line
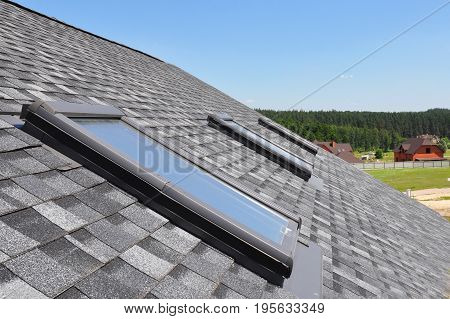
<point>431,193</point>
<point>435,198</point>
<point>441,206</point>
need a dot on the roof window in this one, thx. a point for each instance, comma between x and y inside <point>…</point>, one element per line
<point>258,237</point>
<point>283,132</point>
<point>297,165</point>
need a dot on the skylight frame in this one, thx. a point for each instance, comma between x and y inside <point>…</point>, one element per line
<point>294,163</point>
<point>48,122</point>
<point>283,132</point>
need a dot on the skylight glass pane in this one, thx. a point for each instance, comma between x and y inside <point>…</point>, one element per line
<point>189,178</point>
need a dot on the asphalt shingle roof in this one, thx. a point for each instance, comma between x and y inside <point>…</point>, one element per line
<point>67,233</point>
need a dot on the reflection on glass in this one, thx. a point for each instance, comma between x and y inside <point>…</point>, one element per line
<point>192,180</point>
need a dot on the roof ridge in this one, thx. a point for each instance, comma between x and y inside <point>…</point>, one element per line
<point>79,29</point>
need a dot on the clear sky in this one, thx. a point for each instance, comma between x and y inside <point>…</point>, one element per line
<point>271,54</point>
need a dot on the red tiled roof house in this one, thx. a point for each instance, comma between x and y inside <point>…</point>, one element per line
<point>418,149</point>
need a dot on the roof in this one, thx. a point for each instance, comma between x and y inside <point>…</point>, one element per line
<point>412,144</point>
<point>334,147</point>
<point>343,147</point>
<point>349,157</point>
<point>67,233</point>
<point>341,150</point>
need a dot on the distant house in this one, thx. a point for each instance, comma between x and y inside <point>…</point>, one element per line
<point>421,148</point>
<point>342,150</point>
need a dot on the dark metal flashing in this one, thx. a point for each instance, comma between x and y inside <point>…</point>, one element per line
<point>292,162</point>
<point>78,29</point>
<point>76,109</point>
<point>59,132</point>
<point>306,279</point>
<point>306,145</point>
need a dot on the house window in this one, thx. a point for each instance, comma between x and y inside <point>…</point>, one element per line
<point>428,150</point>
<point>253,234</point>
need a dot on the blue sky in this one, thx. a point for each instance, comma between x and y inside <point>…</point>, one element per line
<point>271,54</point>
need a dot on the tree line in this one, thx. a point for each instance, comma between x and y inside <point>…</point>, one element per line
<point>363,130</point>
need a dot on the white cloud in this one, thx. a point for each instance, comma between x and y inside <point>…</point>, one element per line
<point>346,76</point>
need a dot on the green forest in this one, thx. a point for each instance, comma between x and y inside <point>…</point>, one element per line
<point>363,130</point>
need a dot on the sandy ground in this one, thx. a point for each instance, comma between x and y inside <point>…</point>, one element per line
<point>431,198</point>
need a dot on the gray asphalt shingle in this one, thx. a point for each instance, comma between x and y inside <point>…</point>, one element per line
<point>59,216</point>
<point>14,242</point>
<point>53,268</point>
<point>105,199</point>
<point>26,229</point>
<point>13,197</point>
<point>84,177</point>
<point>72,293</point>
<point>19,163</point>
<point>207,262</point>
<point>46,157</point>
<point>4,124</point>
<point>48,185</point>
<point>152,258</point>
<point>184,283</point>
<point>224,292</point>
<point>143,217</point>
<point>117,280</point>
<point>92,245</point>
<point>3,257</point>
<point>24,137</point>
<point>244,282</point>
<point>375,241</point>
<point>176,238</point>
<point>77,208</point>
<point>117,232</point>
<point>9,142</point>
<point>12,287</point>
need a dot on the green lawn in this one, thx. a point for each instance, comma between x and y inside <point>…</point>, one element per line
<point>415,178</point>
<point>388,156</point>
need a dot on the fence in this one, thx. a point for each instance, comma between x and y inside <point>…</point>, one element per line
<point>396,165</point>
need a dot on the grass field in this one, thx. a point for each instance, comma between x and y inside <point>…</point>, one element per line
<point>414,179</point>
<point>388,156</point>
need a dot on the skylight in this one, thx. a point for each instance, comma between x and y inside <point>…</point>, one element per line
<point>189,178</point>
<point>283,132</point>
<point>290,161</point>
<point>253,234</point>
